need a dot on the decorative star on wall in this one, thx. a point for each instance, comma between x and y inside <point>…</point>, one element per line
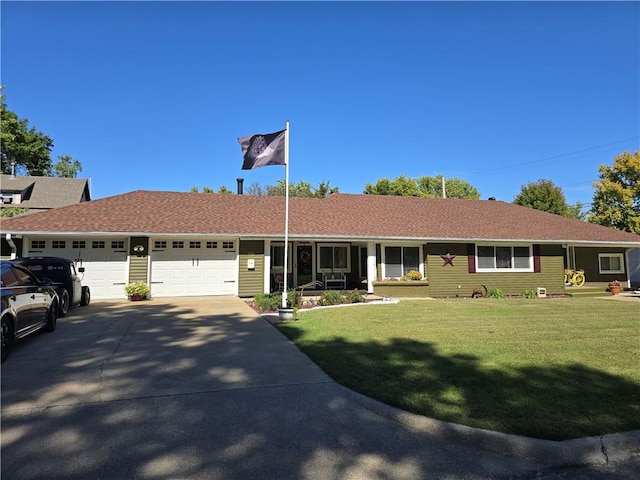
<point>448,259</point>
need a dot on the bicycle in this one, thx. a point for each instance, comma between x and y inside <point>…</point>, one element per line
<point>574,277</point>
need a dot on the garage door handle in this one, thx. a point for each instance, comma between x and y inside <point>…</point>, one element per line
<point>33,297</point>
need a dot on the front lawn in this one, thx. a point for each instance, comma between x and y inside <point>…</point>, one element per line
<point>547,368</point>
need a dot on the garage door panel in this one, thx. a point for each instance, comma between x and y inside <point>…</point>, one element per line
<point>190,272</point>
<point>105,268</point>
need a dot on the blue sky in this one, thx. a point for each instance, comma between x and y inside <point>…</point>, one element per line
<point>153,95</point>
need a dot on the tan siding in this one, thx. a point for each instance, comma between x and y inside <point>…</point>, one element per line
<point>251,282</point>
<point>138,269</point>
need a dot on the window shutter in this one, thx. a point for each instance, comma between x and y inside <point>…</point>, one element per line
<point>471,257</point>
<point>536,259</point>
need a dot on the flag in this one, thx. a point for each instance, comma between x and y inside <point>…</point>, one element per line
<point>261,150</point>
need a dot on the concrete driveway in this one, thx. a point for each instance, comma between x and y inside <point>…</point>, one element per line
<point>204,388</point>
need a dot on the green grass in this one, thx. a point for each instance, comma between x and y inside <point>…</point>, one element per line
<point>551,369</point>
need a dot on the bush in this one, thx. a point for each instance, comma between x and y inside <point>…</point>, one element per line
<point>495,293</point>
<point>137,288</point>
<point>331,297</point>
<point>529,293</point>
<point>412,275</point>
<point>268,302</point>
<point>353,296</point>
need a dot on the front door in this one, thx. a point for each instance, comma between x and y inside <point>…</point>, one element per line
<point>303,266</point>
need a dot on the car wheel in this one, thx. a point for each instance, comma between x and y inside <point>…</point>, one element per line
<point>52,318</point>
<point>86,296</point>
<point>7,338</point>
<point>64,302</point>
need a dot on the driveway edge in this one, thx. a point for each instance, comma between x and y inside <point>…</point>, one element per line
<point>586,451</point>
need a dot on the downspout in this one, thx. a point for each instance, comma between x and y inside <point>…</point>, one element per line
<point>626,266</point>
<point>14,249</point>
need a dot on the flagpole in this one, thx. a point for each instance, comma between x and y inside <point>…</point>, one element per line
<point>286,212</point>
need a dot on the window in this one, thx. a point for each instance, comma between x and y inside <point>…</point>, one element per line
<point>498,259</point>
<point>277,258</point>
<point>194,244</point>
<point>117,244</point>
<point>398,261</point>
<point>78,244</point>
<point>177,244</point>
<point>228,245</point>
<point>59,244</point>
<point>212,244</point>
<point>98,244</point>
<point>37,244</point>
<point>611,262</point>
<point>333,258</point>
<point>161,244</point>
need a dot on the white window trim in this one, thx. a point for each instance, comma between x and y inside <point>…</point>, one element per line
<point>480,269</point>
<point>347,246</point>
<point>610,255</point>
<point>383,255</point>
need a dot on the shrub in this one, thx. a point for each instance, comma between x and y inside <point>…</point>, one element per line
<point>331,297</point>
<point>137,288</point>
<point>412,275</point>
<point>529,293</point>
<point>495,293</point>
<point>268,302</point>
<point>353,296</point>
<point>294,298</point>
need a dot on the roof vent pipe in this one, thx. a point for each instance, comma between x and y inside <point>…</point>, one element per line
<point>240,182</point>
<point>13,170</point>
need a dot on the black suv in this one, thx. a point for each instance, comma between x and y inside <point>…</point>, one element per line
<point>62,273</point>
<point>28,305</point>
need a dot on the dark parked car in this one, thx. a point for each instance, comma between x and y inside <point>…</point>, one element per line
<point>28,305</point>
<point>62,273</point>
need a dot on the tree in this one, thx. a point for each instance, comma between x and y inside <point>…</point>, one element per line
<point>616,201</point>
<point>222,189</point>
<point>28,148</point>
<point>578,211</point>
<point>255,189</point>
<point>429,187</point>
<point>67,167</point>
<point>301,189</point>
<point>543,195</point>
<point>399,186</point>
<point>454,187</point>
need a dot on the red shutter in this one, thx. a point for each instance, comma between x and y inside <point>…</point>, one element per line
<point>471,257</point>
<point>536,258</point>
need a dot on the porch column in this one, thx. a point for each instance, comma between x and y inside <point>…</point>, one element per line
<point>267,266</point>
<point>371,265</point>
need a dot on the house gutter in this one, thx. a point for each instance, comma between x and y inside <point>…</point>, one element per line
<point>14,249</point>
<point>343,238</point>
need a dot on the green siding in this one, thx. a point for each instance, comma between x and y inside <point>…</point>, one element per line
<point>251,282</point>
<point>447,280</point>
<point>138,269</point>
<point>587,259</point>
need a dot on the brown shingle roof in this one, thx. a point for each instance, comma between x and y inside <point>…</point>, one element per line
<point>339,216</point>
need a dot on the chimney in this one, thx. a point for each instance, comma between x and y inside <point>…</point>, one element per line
<point>240,182</point>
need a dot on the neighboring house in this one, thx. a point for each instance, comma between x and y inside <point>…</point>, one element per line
<point>42,193</point>
<point>214,244</point>
<point>37,194</point>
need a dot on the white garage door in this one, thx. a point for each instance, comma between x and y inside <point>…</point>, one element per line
<point>104,262</point>
<point>192,267</point>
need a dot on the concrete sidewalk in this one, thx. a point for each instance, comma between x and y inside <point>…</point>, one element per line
<point>204,388</point>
